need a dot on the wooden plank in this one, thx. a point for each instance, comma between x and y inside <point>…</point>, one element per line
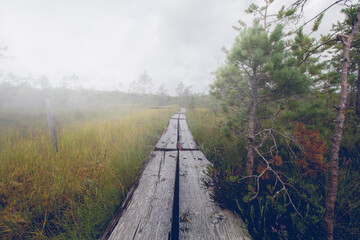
<point>208,221</point>
<point>149,213</point>
<point>175,116</point>
<point>182,116</point>
<point>186,140</point>
<point>168,140</point>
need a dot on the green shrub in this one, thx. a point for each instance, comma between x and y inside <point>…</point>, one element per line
<point>269,217</point>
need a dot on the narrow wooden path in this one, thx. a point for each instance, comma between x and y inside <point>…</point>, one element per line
<point>173,186</point>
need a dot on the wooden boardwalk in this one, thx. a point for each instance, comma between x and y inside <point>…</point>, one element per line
<point>172,199</point>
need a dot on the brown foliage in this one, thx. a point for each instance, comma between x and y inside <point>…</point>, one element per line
<point>277,161</point>
<point>311,159</point>
<point>260,169</point>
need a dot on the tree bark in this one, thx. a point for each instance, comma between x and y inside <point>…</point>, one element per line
<point>357,101</point>
<point>251,128</point>
<point>340,119</point>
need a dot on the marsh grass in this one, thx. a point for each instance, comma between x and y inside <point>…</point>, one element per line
<point>207,128</point>
<point>71,194</point>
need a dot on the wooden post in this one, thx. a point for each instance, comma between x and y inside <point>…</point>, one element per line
<point>51,123</point>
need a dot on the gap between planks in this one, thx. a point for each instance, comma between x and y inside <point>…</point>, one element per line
<point>189,197</point>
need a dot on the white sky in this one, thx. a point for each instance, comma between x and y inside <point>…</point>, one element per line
<point>110,42</point>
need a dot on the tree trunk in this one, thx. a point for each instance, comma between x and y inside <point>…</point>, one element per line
<point>357,101</point>
<point>340,119</point>
<point>251,128</point>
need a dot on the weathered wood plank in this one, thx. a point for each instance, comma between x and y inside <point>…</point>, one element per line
<point>208,221</point>
<point>168,140</point>
<point>186,140</point>
<point>175,116</point>
<point>149,213</point>
<point>182,116</point>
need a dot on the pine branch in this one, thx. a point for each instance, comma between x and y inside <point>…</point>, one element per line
<point>316,48</point>
<point>312,19</point>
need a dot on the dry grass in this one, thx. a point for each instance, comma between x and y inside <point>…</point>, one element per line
<point>71,194</point>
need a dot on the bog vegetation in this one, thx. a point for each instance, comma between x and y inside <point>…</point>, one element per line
<point>103,139</point>
<point>281,126</point>
<point>284,157</point>
<point>72,193</point>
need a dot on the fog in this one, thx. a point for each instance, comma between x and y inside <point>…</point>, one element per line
<point>107,44</point>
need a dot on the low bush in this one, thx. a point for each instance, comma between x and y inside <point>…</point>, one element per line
<point>269,211</point>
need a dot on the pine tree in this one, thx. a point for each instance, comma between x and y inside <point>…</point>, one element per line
<point>259,71</point>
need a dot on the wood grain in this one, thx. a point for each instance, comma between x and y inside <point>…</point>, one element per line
<point>168,140</point>
<point>149,213</point>
<point>150,210</point>
<point>200,217</point>
<point>186,140</point>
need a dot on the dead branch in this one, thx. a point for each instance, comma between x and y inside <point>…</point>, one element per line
<point>312,19</point>
<point>269,168</point>
<point>265,133</point>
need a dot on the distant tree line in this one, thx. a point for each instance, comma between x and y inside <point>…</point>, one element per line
<point>29,93</point>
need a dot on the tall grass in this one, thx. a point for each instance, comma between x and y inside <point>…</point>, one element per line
<point>71,194</point>
<point>209,130</point>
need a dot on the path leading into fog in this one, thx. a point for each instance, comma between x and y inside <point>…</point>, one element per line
<point>174,185</point>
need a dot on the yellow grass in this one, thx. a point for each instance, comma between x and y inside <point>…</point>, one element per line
<point>71,194</point>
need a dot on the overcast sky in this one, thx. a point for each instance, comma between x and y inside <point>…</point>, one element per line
<point>108,43</point>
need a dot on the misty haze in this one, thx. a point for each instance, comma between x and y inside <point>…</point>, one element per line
<point>179,119</point>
